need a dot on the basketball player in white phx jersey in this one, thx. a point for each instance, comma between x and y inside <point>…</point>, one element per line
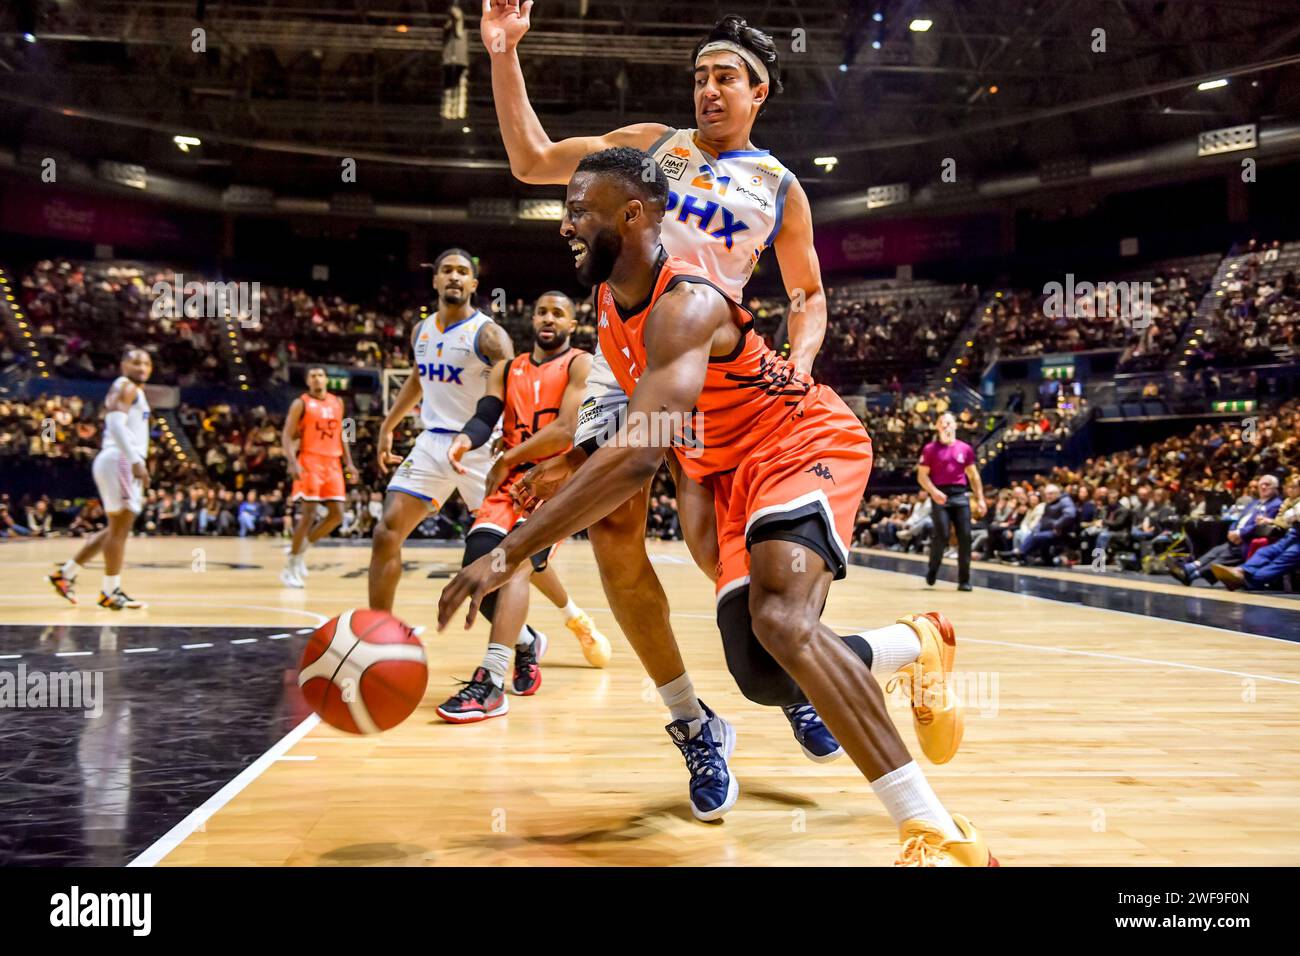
<point>121,475</point>
<point>727,203</point>
<point>455,349</point>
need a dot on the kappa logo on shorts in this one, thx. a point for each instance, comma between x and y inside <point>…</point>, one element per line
<point>821,471</point>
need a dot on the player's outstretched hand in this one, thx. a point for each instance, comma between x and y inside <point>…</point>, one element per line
<point>504,24</point>
<point>475,582</point>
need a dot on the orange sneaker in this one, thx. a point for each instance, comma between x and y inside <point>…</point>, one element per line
<point>923,844</point>
<point>595,645</point>
<point>936,711</point>
<point>62,586</point>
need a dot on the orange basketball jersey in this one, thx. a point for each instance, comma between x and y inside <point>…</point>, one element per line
<point>533,394</point>
<point>322,426</point>
<point>747,396</point>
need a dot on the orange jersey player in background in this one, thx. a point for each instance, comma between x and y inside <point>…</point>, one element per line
<point>537,397</point>
<point>316,452</point>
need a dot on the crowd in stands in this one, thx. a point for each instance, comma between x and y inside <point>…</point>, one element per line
<point>1183,506</point>
<point>1257,318</point>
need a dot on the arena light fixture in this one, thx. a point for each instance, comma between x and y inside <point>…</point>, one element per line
<point>1218,84</point>
<point>875,44</point>
<point>878,17</point>
<point>183,143</point>
<point>828,163</point>
<point>920,24</point>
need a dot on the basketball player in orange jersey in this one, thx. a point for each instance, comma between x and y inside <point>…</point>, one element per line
<point>121,472</point>
<point>539,394</point>
<point>787,463</point>
<point>728,201</point>
<point>317,464</point>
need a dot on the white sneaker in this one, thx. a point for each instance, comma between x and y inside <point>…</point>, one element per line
<point>300,567</point>
<point>289,578</point>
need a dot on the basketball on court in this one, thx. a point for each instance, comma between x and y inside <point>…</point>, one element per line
<point>363,671</point>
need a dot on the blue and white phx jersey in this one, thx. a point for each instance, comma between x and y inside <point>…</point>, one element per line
<point>453,373</point>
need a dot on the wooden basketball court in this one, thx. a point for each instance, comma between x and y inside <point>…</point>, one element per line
<point>1092,737</point>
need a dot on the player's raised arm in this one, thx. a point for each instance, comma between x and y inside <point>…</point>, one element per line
<point>679,339</point>
<point>534,158</point>
<point>802,275</point>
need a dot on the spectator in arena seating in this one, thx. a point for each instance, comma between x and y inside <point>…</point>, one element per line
<point>250,515</point>
<point>8,526</point>
<point>1054,527</point>
<point>920,522</point>
<point>1233,552</point>
<point>1271,563</point>
<point>89,519</point>
<point>40,520</point>
<point>189,510</point>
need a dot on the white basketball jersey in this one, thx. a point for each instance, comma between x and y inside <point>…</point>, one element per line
<point>137,425</point>
<point>723,210</point>
<point>453,373</point>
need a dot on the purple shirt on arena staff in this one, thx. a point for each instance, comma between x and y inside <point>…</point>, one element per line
<point>948,463</point>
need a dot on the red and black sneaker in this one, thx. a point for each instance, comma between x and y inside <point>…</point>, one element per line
<point>527,678</point>
<point>478,699</point>
<point>63,586</point>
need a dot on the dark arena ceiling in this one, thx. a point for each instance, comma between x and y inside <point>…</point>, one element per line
<point>286,87</point>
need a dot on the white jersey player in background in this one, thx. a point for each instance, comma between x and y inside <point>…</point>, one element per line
<point>121,475</point>
<point>455,349</point>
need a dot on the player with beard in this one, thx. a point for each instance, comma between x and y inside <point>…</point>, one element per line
<point>728,202</point>
<point>786,462</point>
<point>455,350</point>
<point>121,476</point>
<point>539,394</point>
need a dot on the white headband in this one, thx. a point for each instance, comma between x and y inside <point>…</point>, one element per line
<point>719,46</point>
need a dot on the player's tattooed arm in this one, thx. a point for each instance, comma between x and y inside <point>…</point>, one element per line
<point>679,339</point>
<point>556,436</point>
<point>289,437</point>
<point>494,343</point>
<point>802,275</point>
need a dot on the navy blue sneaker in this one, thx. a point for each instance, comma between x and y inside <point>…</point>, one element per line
<point>818,743</point>
<point>706,744</point>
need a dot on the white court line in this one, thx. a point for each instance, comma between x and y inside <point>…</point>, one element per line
<point>197,818</point>
<point>140,650</point>
<point>9,657</point>
<point>309,630</point>
<point>194,647</point>
<point>73,653</point>
<point>277,637</point>
<point>318,618</point>
<point>1111,610</point>
<point>245,640</point>
<point>304,757</point>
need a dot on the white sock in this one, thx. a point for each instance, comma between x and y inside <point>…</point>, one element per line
<point>891,648</point>
<point>71,569</point>
<point>497,660</point>
<point>525,638</point>
<point>907,795</point>
<point>571,610</point>
<point>679,697</point>
<point>112,582</point>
